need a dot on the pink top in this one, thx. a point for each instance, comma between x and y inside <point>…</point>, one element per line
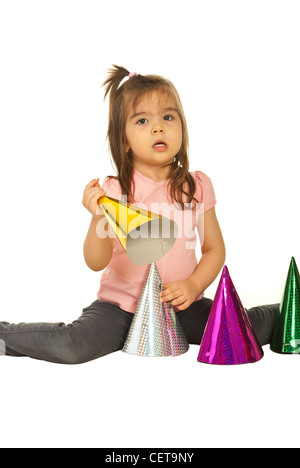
<point>122,281</point>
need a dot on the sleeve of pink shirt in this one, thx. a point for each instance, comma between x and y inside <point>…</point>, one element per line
<point>112,187</point>
<point>204,191</point>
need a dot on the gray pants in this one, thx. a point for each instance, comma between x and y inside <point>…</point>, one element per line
<point>102,329</point>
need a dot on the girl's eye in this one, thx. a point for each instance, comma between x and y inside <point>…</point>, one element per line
<point>168,117</point>
<point>142,121</point>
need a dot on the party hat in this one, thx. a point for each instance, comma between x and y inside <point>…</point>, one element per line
<point>145,236</point>
<point>286,335</point>
<point>229,337</point>
<point>155,329</point>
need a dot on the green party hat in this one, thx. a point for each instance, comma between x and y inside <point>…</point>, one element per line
<point>286,336</point>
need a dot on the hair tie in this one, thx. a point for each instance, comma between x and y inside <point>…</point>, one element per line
<point>126,78</point>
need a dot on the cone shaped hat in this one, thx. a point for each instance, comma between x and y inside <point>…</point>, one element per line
<point>229,337</point>
<point>155,329</point>
<point>286,335</point>
<point>145,236</point>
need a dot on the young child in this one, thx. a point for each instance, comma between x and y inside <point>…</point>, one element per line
<point>148,140</point>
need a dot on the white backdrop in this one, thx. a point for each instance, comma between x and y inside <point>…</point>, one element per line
<point>236,66</point>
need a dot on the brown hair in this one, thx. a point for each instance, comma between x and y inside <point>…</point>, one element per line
<point>133,90</point>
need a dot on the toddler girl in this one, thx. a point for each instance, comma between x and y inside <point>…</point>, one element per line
<point>148,140</point>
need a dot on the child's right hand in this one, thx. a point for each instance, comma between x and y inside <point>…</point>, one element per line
<point>91,195</point>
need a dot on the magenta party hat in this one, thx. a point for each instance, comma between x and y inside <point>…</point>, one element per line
<point>229,337</point>
<point>155,329</point>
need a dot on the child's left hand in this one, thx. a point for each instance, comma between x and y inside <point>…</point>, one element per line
<point>180,294</point>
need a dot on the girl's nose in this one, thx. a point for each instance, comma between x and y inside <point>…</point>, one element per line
<point>157,129</point>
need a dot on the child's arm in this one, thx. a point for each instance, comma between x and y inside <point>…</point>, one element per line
<point>213,252</point>
<point>182,293</point>
<point>97,249</point>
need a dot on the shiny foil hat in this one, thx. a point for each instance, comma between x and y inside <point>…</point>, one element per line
<point>229,337</point>
<point>155,329</point>
<point>145,236</point>
<point>286,335</point>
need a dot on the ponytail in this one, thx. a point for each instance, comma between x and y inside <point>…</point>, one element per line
<point>113,81</point>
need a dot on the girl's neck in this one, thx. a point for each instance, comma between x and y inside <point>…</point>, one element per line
<point>156,174</point>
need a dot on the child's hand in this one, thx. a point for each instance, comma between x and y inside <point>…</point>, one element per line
<point>91,195</point>
<point>180,294</point>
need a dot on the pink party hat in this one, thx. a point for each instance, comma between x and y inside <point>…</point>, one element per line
<point>229,337</point>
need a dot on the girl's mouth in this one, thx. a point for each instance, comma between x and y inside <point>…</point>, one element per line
<point>160,146</point>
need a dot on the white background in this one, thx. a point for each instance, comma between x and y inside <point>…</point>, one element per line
<point>236,67</point>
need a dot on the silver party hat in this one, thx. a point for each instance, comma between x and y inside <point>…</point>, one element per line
<point>155,329</point>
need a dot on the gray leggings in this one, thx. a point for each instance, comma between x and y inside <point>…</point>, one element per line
<point>102,329</point>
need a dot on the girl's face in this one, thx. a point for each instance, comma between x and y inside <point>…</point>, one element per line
<point>153,131</point>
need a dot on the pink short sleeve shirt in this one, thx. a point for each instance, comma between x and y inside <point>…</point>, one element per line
<point>122,281</point>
